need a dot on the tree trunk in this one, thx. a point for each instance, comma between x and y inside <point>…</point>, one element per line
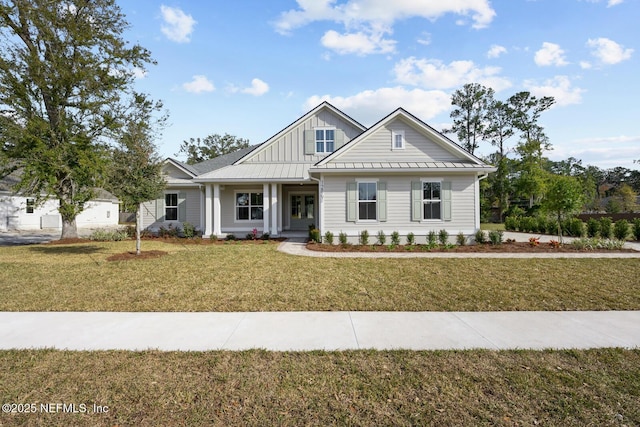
<point>138,226</point>
<point>69,228</point>
<point>560,228</point>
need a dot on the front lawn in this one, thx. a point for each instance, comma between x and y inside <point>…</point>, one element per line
<point>452,388</point>
<point>256,277</point>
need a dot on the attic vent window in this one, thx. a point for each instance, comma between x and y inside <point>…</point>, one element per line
<point>397,140</point>
<point>325,140</point>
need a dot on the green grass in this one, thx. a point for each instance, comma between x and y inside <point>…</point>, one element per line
<point>490,226</point>
<point>506,388</point>
<point>256,277</point>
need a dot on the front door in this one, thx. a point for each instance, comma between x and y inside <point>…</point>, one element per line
<point>303,211</point>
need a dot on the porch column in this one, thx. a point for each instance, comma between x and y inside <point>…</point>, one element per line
<point>265,208</point>
<point>217,227</point>
<point>280,209</point>
<point>274,210</point>
<point>207,211</point>
<point>321,204</point>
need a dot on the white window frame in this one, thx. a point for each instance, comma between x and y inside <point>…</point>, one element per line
<point>394,136</point>
<point>31,206</point>
<point>358,201</point>
<point>425,201</point>
<point>324,140</point>
<point>249,205</point>
<point>167,206</point>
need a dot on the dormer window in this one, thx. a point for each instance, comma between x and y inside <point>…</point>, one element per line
<point>325,140</point>
<point>397,140</point>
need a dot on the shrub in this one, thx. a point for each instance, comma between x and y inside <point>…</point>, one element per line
<point>168,232</point>
<point>265,236</point>
<point>231,237</point>
<point>395,238</point>
<point>511,223</point>
<point>411,239</point>
<point>495,237</point>
<point>328,238</point>
<point>363,238</point>
<point>381,238</point>
<point>573,227</point>
<point>108,236</point>
<point>431,238</point>
<point>130,230</point>
<point>534,241</point>
<point>443,237</point>
<point>593,243</point>
<point>554,244</point>
<point>593,227</point>
<point>605,227</point>
<point>314,235</point>
<point>528,224</point>
<point>480,237</point>
<point>461,239</point>
<point>214,237</point>
<point>636,228</point>
<point>188,230</point>
<point>342,238</point>
<point>542,225</point>
<point>621,229</point>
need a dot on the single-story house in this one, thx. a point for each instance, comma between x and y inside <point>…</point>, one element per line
<point>326,170</point>
<point>19,211</point>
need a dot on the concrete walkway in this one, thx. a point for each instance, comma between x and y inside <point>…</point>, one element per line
<point>297,246</point>
<point>304,331</point>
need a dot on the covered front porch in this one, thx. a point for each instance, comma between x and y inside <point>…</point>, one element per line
<point>277,208</point>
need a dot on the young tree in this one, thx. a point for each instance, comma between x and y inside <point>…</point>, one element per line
<point>533,142</point>
<point>63,69</point>
<point>199,150</point>
<point>472,102</point>
<point>135,175</point>
<point>562,198</point>
<point>498,130</point>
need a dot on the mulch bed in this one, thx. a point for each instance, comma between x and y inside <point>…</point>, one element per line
<point>512,247</point>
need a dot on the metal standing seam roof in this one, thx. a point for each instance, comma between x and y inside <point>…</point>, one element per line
<point>355,166</point>
<point>258,172</point>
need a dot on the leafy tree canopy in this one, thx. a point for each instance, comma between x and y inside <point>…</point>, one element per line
<point>64,68</point>
<point>199,150</point>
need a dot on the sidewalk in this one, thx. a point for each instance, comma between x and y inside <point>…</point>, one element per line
<point>306,331</point>
<point>297,246</point>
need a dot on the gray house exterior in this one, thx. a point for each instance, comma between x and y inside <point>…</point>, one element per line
<point>328,171</point>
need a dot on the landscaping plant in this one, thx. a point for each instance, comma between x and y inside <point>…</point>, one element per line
<point>363,238</point>
<point>381,238</point>
<point>621,229</point>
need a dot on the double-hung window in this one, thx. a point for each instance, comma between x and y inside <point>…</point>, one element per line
<point>31,204</point>
<point>431,200</point>
<point>367,201</point>
<point>325,140</point>
<point>249,206</point>
<point>171,206</point>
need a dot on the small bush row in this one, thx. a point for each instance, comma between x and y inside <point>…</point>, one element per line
<point>364,238</point>
<point>604,227</point>
<point>109,235</point>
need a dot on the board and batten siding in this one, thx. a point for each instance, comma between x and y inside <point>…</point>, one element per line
<point>192,202</point>
<point>399,207</point>
<point>378,147</point>
<point>290,146</point>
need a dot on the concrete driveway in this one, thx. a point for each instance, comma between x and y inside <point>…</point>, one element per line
<point>17,238</point>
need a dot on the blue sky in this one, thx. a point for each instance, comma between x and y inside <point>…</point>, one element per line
<point>249,68</point>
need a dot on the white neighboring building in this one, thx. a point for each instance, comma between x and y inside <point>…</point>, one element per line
<point>18,212</point>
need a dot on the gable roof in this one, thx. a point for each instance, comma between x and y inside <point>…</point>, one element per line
<point>320,107</point>
<point>467,162</point>
<point>222,161</point>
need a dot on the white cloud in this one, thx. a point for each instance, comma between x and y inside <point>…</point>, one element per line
<point>359,43</point>
<point>139,73</point>
<point>258,88</point>
<point>199,84</point>
<point>612,3</point>
<point>425,39</point>
<point>353,13</point>
<point>550,54</point>
<point>433,74</point>
<point>606,152</point>
<point>496,50</point>
<point>371,105</point>
<point>559,87</point>
<point>585,65</point>
<point>178,25</point>
<point>608,51</point>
